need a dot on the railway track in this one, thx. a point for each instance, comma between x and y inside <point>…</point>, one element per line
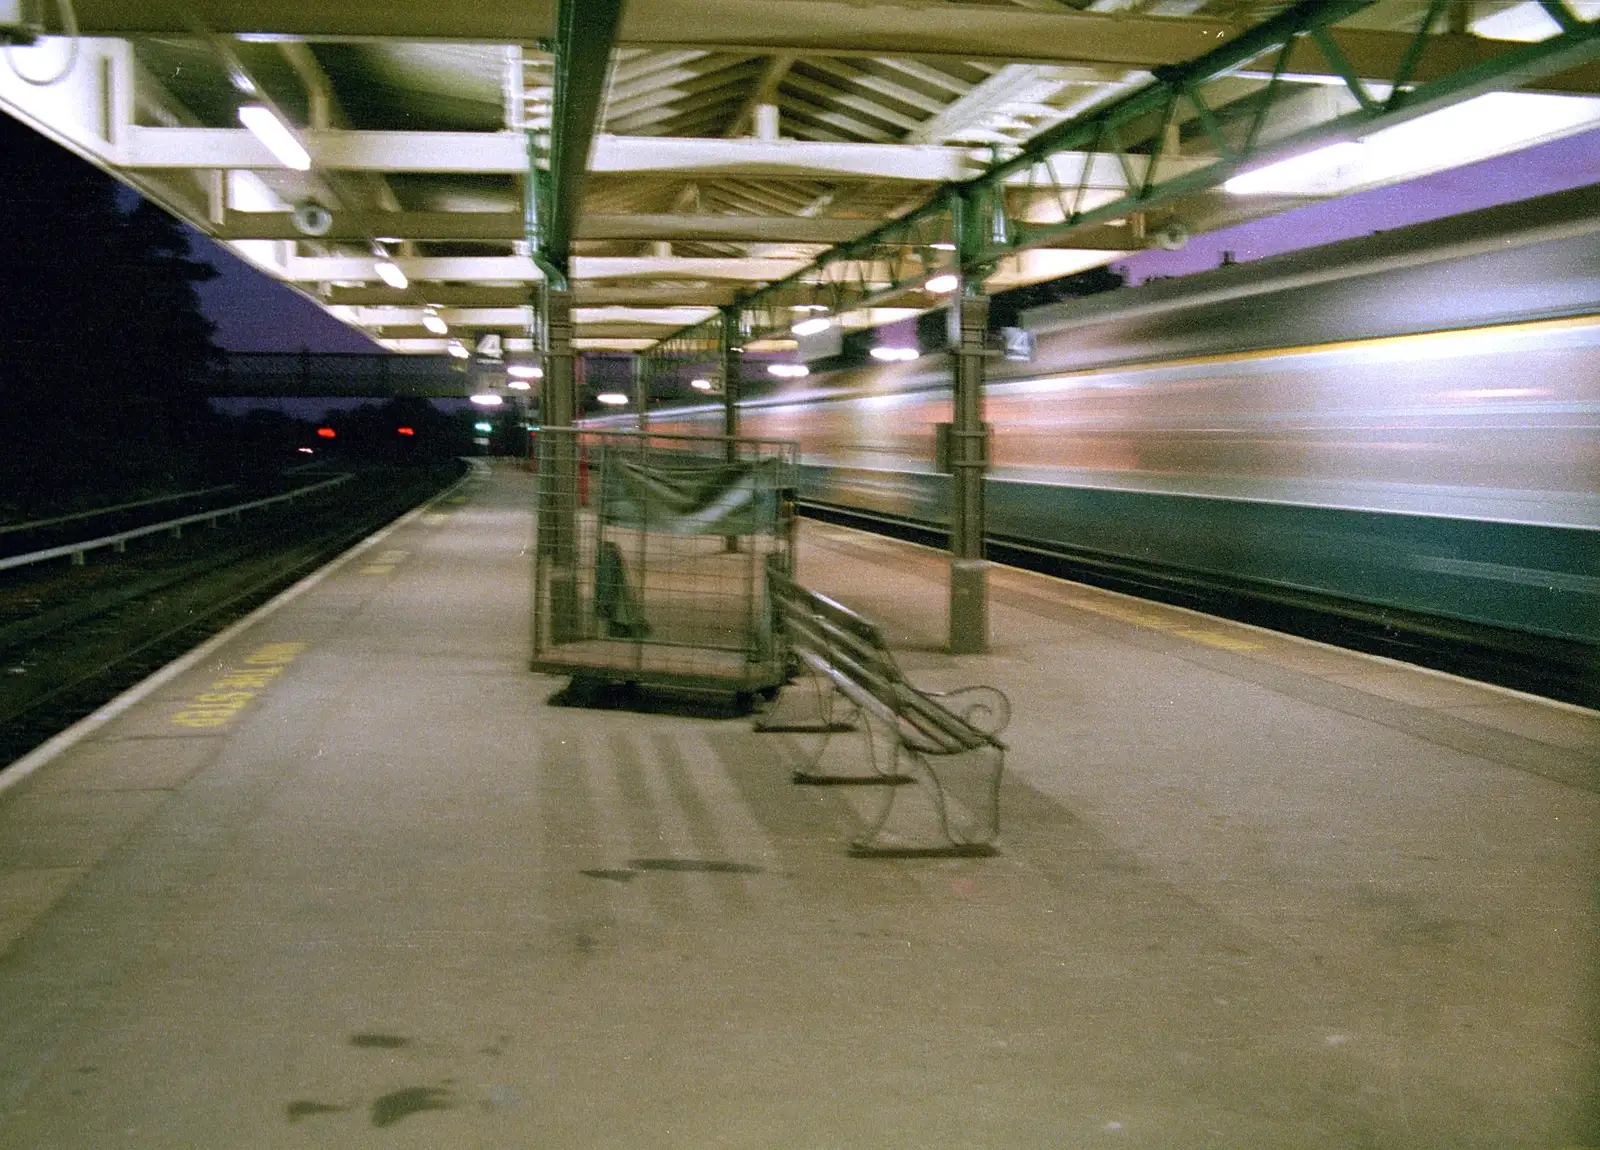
<point>71,638</point>
<point>1548,667</point>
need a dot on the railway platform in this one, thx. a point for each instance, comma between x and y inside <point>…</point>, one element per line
<point>348,877</point>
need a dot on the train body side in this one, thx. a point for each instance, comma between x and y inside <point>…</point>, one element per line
<point>1448,465</point>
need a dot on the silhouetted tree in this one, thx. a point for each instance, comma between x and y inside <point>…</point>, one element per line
<point>102,341</point>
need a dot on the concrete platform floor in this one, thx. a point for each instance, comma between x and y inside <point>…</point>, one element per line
<point>349,880</point>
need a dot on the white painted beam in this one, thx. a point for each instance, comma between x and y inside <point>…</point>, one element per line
<point>467,334</point>
<point>520,269</point>
<point>847,28</point>
<point>504,227</point>
<point>385,316</point>
<point>88,109</point>
<point>756,27</point>
<point>434,345</point>
<point>506,153</point>
<point>358,269</point>
<point>155,149</point>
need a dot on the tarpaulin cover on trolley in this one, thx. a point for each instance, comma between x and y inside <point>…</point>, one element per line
<point>690,498</point>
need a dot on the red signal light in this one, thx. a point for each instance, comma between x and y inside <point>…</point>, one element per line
<point>326,433</point>
<point>405,430</point>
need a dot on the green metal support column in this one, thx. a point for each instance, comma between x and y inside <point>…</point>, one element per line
<point>732,353</point>
<point>558,398</point>
<point>641,392</point>
<point>732,357</point>
<point>558,516</point>
<point>969,461</point>
<point>969,447</point>
<point>585,33</point>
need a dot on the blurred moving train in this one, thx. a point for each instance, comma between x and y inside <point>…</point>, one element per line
<point>1399,434</point>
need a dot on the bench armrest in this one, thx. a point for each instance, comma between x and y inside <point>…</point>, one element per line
<point>986,708</point>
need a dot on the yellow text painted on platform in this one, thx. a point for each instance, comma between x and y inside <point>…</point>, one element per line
<point>385,563</point>
<point>237,687</point>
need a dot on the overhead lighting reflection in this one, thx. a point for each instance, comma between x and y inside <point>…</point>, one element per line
<point>700,384</point>
<point>488,399</point>
<point>389,272</point>
<point>612,398</point>
<point>788,370</point>
<point>264,124</point>
<point>1290,173</point>
<point>812,326</point>
<point>895,354</point>
<point>943,284</point>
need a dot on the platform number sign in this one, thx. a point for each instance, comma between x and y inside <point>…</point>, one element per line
<point>490,345</point>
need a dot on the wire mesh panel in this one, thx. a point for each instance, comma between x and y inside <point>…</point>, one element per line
<point>652,556</point>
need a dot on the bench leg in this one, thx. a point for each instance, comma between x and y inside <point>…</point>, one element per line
<point>978,844</point>
<point>827,724</point>
<point>824,724</point>
<point>809,776</point>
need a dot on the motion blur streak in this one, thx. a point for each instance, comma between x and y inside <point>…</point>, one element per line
<point>1416,433</point>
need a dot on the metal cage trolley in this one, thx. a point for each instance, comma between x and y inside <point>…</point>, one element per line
<point>651,557</point>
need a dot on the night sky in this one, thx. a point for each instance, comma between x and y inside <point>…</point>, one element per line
<point>255,313</point>
<point>1554,167</point>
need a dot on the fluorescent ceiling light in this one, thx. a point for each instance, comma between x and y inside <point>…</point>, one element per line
<point>487,399</point>
<point>434,322</point>
<point>812,326</point>
<point>789,370</point>
<point>1490,125</point>
<point>894,354</point>
<point>943,247</point>
<point>942,284</point>
<point>525,371</point>
<point>456,348</point>
<point>263,122</point>
<point>700,384</point>
<point>1287,175</point>
<point>519,385</point>
<point>1527,22</point>
<point>389,272</point>
<point>612,398</point>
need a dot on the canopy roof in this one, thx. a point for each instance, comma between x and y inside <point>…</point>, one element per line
<point>738,142</point>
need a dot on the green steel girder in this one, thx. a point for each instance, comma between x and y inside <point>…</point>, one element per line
<point>997,214</point>
<point>586,30</point>
<point>693,349</point>
<point>1243,136</point>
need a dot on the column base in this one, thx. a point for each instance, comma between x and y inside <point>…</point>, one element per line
<point>969,606</point>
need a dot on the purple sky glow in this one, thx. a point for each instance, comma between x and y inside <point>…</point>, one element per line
<point>1545,168</point>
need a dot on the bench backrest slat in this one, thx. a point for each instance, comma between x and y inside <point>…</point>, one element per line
<point>851,651</point>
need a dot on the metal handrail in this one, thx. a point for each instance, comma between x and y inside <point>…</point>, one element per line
<point>36,524</point>
<point>76,551</point>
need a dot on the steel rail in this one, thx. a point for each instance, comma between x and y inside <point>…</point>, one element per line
<point>41,524</point>
<point>76,551</point>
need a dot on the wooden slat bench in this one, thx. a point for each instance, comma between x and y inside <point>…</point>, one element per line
<point>849,659</point>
